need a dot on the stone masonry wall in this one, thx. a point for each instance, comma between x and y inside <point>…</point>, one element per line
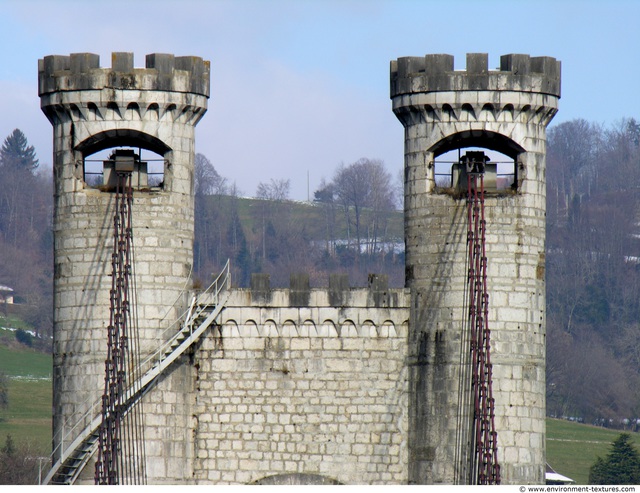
<point>299,392</point>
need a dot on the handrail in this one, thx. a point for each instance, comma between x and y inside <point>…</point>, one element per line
<point>150,367</point>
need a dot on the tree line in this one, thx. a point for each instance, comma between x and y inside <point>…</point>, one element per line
<point>593,271</point>
<point>592,253</point>
<point>26,237</point>
<point>349,228</point>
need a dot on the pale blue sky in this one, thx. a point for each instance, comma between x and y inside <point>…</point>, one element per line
<point>302,86</point>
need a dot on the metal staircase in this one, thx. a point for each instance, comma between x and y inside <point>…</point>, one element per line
<point>74,455</point>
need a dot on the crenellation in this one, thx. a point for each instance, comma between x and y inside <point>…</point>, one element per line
<point>164,63</point>
<point>162,72</point>
<point>120,62</point>
<point>477,63</point>
<point>435,73</point>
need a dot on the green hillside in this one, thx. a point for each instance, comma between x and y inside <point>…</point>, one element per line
<point>26,364</point>
<point>572,448</point>
<point>310,215</point>
<point>28,417</point>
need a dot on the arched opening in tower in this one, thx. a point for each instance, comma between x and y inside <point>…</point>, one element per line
<point>503,172</point>
<point>147,168</point>
<point>103,152</point>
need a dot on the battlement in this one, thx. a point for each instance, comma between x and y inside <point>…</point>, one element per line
<point>339,293</point>
<point>435,73</point>
<point>163,72</point>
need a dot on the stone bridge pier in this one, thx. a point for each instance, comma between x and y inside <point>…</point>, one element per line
<point>507,111</point>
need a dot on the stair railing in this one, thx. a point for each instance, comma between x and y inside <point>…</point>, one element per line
<point>91,418</point>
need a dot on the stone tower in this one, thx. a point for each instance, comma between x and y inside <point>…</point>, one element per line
<point>93,109</point>
<point>505,110</point>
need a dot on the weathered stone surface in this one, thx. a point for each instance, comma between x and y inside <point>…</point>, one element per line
<point>435,73</point>
<point>163,72</point>
<point>93,108</point>
<point>507,111</point>
<point>288,404</point>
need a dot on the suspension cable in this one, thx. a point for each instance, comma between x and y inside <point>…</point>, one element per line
<point>462,458</point>
<point>477,454</point>
<point>121,456</point>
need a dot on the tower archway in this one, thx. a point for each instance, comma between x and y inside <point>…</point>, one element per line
<point>300,479</point>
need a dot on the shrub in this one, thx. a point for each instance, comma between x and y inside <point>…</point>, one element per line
<point>24,337</point>
<point>18,463</point>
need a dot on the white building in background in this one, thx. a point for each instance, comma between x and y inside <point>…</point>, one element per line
<point>6,294</point>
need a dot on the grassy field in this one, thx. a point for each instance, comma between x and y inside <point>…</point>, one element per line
<point>572,448</point>
<point>28,417</point>
<point>10,320</point>
<point>25,363</point>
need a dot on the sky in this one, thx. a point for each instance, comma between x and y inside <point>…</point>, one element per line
<point>299,87</point>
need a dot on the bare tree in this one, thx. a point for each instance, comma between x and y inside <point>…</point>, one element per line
<point>364,187</point>
<point>382,200</point>
<point>399,189</point>
<point>271,215</point>
<point>213,212</point>
<point>593,279</point>
<point>325,197</point>
<point>572,159</point>
<point>19,462</point>
<point>276,190</point>
<point>207,181</point>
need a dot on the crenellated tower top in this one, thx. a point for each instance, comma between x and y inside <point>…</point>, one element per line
<point>435,73</point>
<point>477,105</point>
<point>163,72</point>
<point>147,107</point>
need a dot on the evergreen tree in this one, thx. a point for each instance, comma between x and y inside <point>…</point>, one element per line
<point>17,154</point>
<point>621,466</point>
